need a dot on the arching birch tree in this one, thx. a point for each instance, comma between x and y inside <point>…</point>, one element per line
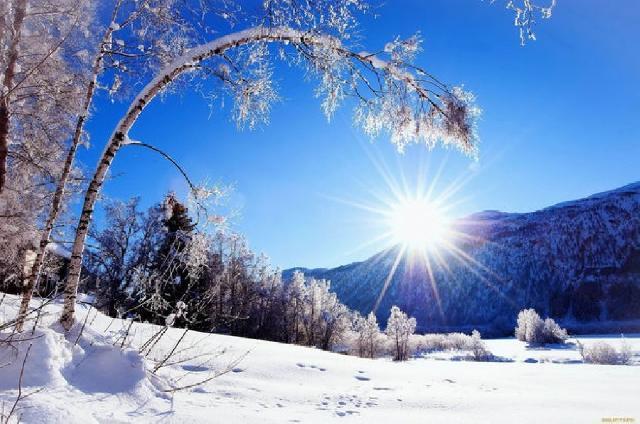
<point>393,96</point>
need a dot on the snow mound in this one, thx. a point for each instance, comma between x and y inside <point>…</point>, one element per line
<point>106,369</point>
<point>55,365</point>
<point>45,350</point>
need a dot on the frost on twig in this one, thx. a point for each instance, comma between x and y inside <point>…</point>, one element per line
<point>527,13</point>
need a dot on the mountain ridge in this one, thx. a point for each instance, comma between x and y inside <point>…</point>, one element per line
<point>578,261</point>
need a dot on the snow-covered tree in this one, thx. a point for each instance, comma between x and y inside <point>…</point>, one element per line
<point>368,338</point>
<point>531,328</point>
<point>477,347</point>
<point>113,259</point>
<point>325,317</point>
<point>294,309</point>
<point>173,281</point>
<point>399,328</point>
<point>604,353</point>
<point>40,85</point>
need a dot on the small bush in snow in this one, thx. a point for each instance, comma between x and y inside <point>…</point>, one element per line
<point>428,343</point>
<point>532,329</point>
<point>473,344</point>
<point>478,348</point>
<point>604,354</point>
<point>625,353</point>
<point>440,342</point>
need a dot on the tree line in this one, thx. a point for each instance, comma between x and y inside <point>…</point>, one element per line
<point>155,266</point>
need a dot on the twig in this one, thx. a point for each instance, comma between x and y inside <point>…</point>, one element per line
<point>153,340</point>
<point>175,346</point>
<point>126,334</point>
<point>20,396</point>
<point>229,368</point>
<point>84,323</point>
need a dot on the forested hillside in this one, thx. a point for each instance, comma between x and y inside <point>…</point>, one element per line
<point>577,261</point>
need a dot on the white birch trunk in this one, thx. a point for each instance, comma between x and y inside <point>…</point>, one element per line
<point>59,194</point>
<point>9,74</point>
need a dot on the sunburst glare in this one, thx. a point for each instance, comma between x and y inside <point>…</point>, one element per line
<point>418,223</point>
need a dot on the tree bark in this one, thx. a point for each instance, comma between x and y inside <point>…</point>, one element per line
<point>9,74</point>
<point>62,182</point>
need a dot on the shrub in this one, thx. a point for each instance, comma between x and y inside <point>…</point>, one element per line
<point>478,348</point>
<point>453,341</point>
<point>553,333</point>
<point>604,354</point>
<point>532,329</point>
<point>428,343</point>
<point>440,342</point>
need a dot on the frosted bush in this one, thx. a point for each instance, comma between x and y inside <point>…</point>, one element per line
<point>478,348</point>
<point>532,329</point>
<point>458,341</point>
<point>604,354</point>
<point>429,343</point>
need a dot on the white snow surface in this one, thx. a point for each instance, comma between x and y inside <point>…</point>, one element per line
<point>94,381</point>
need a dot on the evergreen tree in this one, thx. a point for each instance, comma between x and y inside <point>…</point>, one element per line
<point>178,292</point>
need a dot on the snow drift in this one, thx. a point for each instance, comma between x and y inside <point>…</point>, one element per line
<point>95,380</point>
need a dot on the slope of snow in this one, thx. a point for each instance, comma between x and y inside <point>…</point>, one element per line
<point>95,381</point>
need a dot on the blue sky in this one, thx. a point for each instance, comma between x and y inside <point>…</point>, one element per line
<point>560,122</point>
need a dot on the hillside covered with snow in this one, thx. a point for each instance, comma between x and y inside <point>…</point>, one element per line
<point>577,261</point>
<point>96,377</point>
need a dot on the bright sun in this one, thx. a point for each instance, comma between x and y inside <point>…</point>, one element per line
<point>418,224</point>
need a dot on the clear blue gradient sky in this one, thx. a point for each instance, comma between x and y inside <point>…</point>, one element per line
<point>561,121</point>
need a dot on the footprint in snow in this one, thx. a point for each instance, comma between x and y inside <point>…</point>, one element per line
<point>361,378</point>
<point>237,370</point>
<point>315,367</point>
<point>448,380</point>
<point>194,368</point>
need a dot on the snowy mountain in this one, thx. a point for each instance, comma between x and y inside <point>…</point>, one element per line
<point>577,261</point>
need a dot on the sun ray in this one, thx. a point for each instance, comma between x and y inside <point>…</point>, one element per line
<point>387,281</point>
